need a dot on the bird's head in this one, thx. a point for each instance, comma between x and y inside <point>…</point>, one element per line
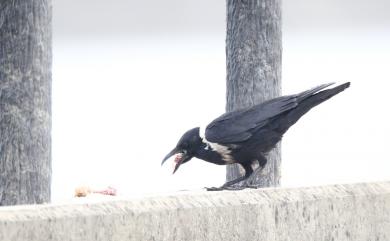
<point>186,148</point>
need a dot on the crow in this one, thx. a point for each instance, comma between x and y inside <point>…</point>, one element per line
<point>245,136</point>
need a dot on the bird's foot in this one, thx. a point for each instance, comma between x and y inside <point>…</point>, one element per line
<point>239,183</point>
<point>227,188</point>
<point>234,188</point>
<point>213,189</point>
<point>247,185</point>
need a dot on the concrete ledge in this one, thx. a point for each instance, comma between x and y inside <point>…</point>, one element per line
<point>340,212</point>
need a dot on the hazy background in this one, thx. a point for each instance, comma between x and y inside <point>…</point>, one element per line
<point>129,77</point>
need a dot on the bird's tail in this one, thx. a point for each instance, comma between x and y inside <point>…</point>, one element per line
<point>308,99</point>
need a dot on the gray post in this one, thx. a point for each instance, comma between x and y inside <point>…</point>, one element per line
<point>254,57</point>
<point>25,101</point>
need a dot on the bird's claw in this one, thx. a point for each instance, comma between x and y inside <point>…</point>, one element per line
<point>227,188</point>
<point>251,186</point>
<point>232,188</point>
<point>213,189</point>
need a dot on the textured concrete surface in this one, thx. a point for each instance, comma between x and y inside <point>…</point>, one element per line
<point>340,212</point>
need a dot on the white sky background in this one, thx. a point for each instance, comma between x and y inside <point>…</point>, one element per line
<point>129,77</point>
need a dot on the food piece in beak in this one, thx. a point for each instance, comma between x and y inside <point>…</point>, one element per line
<point>178,161</point>
<point>180,157</point>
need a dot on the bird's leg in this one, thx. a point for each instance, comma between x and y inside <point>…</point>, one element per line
<point>237,180</point>
<point>262,161</point>
<point>249,181</point>
<point>228,185</point>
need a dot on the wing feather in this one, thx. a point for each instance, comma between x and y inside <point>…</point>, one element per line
<point>239,126</point>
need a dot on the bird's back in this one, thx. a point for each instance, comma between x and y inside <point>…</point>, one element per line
<point>267,120</point>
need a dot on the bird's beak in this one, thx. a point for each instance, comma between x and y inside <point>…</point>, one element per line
<point>173,152</point>
<point>180,158</point>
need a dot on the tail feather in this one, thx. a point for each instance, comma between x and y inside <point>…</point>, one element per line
<point>307,93</point>
<point>312,98</point>
<point>324,95</point>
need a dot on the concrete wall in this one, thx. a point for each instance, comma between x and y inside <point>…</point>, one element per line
<point>340,212</point>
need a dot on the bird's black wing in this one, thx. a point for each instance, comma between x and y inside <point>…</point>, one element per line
<point>239,126</point>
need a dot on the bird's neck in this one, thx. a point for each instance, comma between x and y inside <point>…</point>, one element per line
<point>206,153</point>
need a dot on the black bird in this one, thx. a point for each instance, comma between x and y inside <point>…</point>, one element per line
<point>247,135</point>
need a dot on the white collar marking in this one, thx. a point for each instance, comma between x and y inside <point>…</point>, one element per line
<point>221,149</point>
